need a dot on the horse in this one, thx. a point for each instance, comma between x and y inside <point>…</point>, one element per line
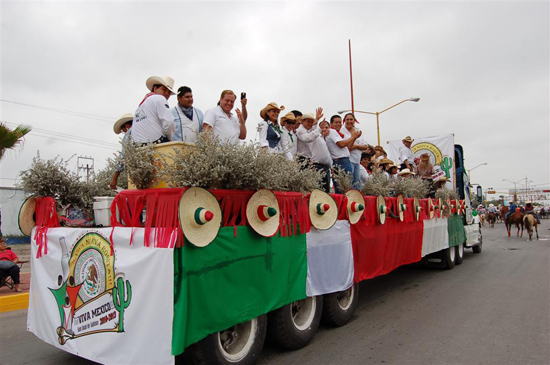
<point>498,217</point>
<point>491,218</point>
<point>530,221</point>
<point>517,219</point>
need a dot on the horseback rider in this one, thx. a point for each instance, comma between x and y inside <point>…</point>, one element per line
<point>512,210</point>
<point>529,209</point>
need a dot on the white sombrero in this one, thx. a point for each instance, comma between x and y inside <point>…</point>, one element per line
<point>128,117</point>
<point>401,207</point>
<point>356,205</point>
<point>262,213</point>
<point>200,216</point>
<point>417,208</point>
<point>381,208</point>
<point>27,219</point>
<point>323,210</point>
<point>166,81</point>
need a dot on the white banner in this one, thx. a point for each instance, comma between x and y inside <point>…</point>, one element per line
<point>329,260</point>
<point>112,309</point>
<point>440,149</point>
<point>436,236</point>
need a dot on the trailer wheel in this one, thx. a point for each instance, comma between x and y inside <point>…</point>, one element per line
<point>449,258</point>
<point>459,254</point>
<point>338,308</point>
<point>293,326</point>
<point>239,345</point>
<point>477,248</point>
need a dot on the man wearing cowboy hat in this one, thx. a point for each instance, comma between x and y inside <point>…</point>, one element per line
<point>123,124</point>
<point>153,120</point>
<point>187,118</point>
<point>289,140</point>
<point>308,132</point>
<point>320,155</point>
<point>406,155</point>
<point>405,174</point>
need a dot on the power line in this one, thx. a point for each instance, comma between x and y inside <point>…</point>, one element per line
<point>62,111</point>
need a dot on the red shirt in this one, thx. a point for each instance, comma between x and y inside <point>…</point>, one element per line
<point>8,255</point>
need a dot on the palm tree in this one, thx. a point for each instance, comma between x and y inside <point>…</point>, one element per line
<point>11,138</point>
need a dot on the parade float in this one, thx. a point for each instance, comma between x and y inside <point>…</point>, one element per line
<point>195,273</point>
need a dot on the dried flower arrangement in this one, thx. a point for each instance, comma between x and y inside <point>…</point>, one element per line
<point>222,165</point>
<point>139,162</point>
<point>377,184</point>
<point>445,193</point>
<point>411,188</point>
<point>342,179</point>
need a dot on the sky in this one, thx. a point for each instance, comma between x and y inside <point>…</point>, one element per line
<point>480,69</point>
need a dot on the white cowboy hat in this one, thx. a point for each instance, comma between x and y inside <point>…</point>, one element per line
<point>323,210</point>
<point>167,81</point>
<point>356,205</point>
<point>405,172</point>
<point>128,117</point>
<point>308,116</point>
<point>263,213</point>
<point>26,218</point>
<point>200,216</point>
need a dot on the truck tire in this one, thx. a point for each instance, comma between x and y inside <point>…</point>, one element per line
<point>293,326</point>
<point>338,308</point>
<point>477,248</point>
<point>239,345</point>
<point>449,258</point>
<point>459,254</point>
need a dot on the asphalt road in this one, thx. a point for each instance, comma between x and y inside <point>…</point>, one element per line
<point>492,309</point>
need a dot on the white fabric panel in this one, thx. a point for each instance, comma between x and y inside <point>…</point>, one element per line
<point>146,336</point>
<point>329,259</point>
<point>472,234</point>
<point>436,236</point>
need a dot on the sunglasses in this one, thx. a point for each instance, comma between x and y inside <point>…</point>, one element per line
<point>291,123</point>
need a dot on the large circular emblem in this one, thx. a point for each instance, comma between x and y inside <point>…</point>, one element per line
<point>90,271</point>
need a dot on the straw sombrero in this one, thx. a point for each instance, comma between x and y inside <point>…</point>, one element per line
<point>356,205</point>
<point>26,218</point>
<point>417,208</point>
<point>401,207</point>
<point>323,210</point>
<point>128,117</point>
<point>262,213</point>
<point>381,208</point>
<point>461,207</point>
<point>288,116</point>
<point>268,107</point>
<point>200,216</point>
<point>431,208</point>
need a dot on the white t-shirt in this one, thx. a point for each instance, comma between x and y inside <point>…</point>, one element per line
<point>335,151</point>
<point>226,128</point>
<point>405,153</point>
<point>319,152</point>
<point>289,143</point>
<point>355,155</point>
<point>305,137</point>
<point>363,174</point>
<point>152,120</point>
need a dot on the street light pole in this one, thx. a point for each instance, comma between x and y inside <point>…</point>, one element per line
<point>475,167</point>
<point>515,187</point>
<point>378,114</point>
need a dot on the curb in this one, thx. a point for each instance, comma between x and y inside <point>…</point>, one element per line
<point>14,302</point>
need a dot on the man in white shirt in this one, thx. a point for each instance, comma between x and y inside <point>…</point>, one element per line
<point>289,140</point>
<point>406,155</point>
<point>308,132</point>
<point>224,124</point>
<point>153,121</point>
<point>187,118</point>
<point>320,156</point>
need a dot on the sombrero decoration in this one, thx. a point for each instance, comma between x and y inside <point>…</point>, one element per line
<point>323,210</point>
<point>401,207</point>
<point>447,208</point>
<point>441,206</point>
<point>454,206</point>
<point>263,213</point>
<point>431,208</point>
<point>461,207</point>
<point>356,205</point>
<point>27,219</point>
<point>417,208</point>
<point>200,216</point>
<point>381,208</point>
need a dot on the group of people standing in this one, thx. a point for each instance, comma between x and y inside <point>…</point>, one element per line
<point>329,146</point>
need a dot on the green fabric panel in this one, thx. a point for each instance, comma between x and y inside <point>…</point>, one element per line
<point>456,230</point>
<point>233,280</point>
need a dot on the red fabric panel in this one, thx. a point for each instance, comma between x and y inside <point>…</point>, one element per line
<point>294,213</point>
<point>342,204</point>
<point>403,244</point>
<point>45,217</point>
<point>233,204</point>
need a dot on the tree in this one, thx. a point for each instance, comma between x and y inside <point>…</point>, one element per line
<point>11,138</point>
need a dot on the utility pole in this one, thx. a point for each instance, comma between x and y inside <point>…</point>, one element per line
<point>87,165</point>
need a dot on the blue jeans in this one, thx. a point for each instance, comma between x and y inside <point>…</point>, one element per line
<point>356,175</point>
<point>344,164</point>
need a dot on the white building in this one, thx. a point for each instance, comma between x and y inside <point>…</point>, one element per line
<point>11,200</point>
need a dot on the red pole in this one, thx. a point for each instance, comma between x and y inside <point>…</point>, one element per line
<point>351,77</point>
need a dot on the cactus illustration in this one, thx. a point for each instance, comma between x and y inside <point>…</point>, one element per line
<point>120,303</point>
<point>447,165</point>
